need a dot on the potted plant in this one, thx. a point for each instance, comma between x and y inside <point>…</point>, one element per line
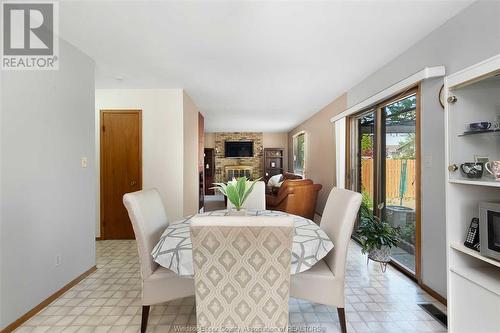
<point>377,237</point>
<point>236,191</point>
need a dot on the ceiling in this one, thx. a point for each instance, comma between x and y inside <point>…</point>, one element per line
<point>248,66</point>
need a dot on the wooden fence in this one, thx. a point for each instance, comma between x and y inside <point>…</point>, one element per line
<point>393,176</point>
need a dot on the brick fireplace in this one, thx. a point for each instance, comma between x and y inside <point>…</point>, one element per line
<point>224,167</point>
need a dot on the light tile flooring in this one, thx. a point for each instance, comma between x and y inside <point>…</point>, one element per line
<point>109,301</point>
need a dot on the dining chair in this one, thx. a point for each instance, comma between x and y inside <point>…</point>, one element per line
<point>324,282</point>
<point>147,213</point>
<point>242,272</point>
<point>256,199</point>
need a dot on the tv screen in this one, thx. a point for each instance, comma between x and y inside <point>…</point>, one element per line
<point>238,148</point>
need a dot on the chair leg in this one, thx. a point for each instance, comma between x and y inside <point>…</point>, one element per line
<point>145,315</point>
<point>341,313</point>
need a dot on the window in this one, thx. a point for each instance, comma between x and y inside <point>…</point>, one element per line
<point>299,153</point>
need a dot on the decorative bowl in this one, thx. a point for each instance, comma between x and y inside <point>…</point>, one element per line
<point>480,126</point>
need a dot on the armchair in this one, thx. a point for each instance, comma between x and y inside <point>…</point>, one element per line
<point>295,197</point>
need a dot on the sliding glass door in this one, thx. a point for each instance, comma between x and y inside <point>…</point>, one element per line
<point>398,175</point>
<point>384,168</point>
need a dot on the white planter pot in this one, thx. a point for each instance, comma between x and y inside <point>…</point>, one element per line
<point>380,255</point>
<point>234,212</point>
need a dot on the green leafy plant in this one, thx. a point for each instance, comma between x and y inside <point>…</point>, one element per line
<point>236,190</point>
<point>366,200</point>
<point>408,233</point>
<point>375,233</point>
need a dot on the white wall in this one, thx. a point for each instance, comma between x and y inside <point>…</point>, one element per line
<point>190,176</point>
<point>48,204</point>
<point>162,138</point>
<point>471,36</point>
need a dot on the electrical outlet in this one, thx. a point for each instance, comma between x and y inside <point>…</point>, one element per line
<point>58,259</point>
<point>84,162</point>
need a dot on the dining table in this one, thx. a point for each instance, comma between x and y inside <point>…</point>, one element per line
<point>174,250</point>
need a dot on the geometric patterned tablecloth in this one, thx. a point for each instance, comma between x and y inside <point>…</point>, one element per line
<point>174,249</point>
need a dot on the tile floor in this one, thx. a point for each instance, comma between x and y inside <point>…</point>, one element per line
<point>109,301</point>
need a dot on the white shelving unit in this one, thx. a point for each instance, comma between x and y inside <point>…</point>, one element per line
<point>473,279</point>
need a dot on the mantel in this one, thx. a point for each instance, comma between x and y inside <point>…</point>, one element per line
<point>426,73</point>
<point>238,167</point>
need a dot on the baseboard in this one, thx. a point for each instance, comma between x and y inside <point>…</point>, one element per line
<point>46,302</point>
<point>434,294</point>
<point>98,238</point>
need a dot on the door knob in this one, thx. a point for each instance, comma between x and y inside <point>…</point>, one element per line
<point>133,183</point>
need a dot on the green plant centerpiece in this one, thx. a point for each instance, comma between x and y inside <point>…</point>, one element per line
<point>237,191</point>
<point>377,237</point>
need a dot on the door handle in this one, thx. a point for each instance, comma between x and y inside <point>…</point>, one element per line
<point>133,183</point>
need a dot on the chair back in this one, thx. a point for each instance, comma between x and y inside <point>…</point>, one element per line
<point>299,198</point>
<point>242,271</point>
<point>339,215</point>
<point>289,183</point>
<point>147,213</point>
<point>256,199</point>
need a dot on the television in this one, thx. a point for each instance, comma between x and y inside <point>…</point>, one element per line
<point>238,149</point>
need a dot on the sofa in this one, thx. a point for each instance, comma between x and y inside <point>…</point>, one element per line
<point>295,196</point>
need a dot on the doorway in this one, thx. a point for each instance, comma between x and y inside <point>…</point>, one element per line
<point>121,169</point>
<point>209,169</point>
<point>385,168</point>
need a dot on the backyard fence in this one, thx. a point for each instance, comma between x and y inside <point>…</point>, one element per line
<point>394,176</point>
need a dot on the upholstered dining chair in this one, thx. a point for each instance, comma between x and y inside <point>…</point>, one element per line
<point>242,272</point>
<point>256,199</point>
<point>159,285</point>
<point>324,282</point>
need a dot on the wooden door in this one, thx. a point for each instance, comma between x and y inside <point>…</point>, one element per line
<point>121,169</point>
<point>209,167</point>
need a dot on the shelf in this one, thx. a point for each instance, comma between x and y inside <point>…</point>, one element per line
<point>477,182</point>
<point>485,277</point>
<point>462,248</point>
<point>490,132</point>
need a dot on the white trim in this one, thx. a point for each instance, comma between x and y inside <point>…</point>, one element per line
<point>305,152</point>
<point>476,71</point>
<point>340,151</point>
<point>426,73</point>
<point>298,133</point>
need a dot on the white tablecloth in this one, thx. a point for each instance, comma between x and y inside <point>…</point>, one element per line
<point>174,250</point>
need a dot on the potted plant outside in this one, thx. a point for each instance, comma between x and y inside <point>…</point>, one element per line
<point>236,191</point>
<point>377,237</point>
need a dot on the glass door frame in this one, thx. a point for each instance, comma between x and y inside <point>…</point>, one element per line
<point>351,181</point>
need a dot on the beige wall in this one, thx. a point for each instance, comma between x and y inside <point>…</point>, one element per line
<point>320,150</point>
<point>277,140</point>
<point>190,169</point>
<point>162,139</point>
<point>209,140</point>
